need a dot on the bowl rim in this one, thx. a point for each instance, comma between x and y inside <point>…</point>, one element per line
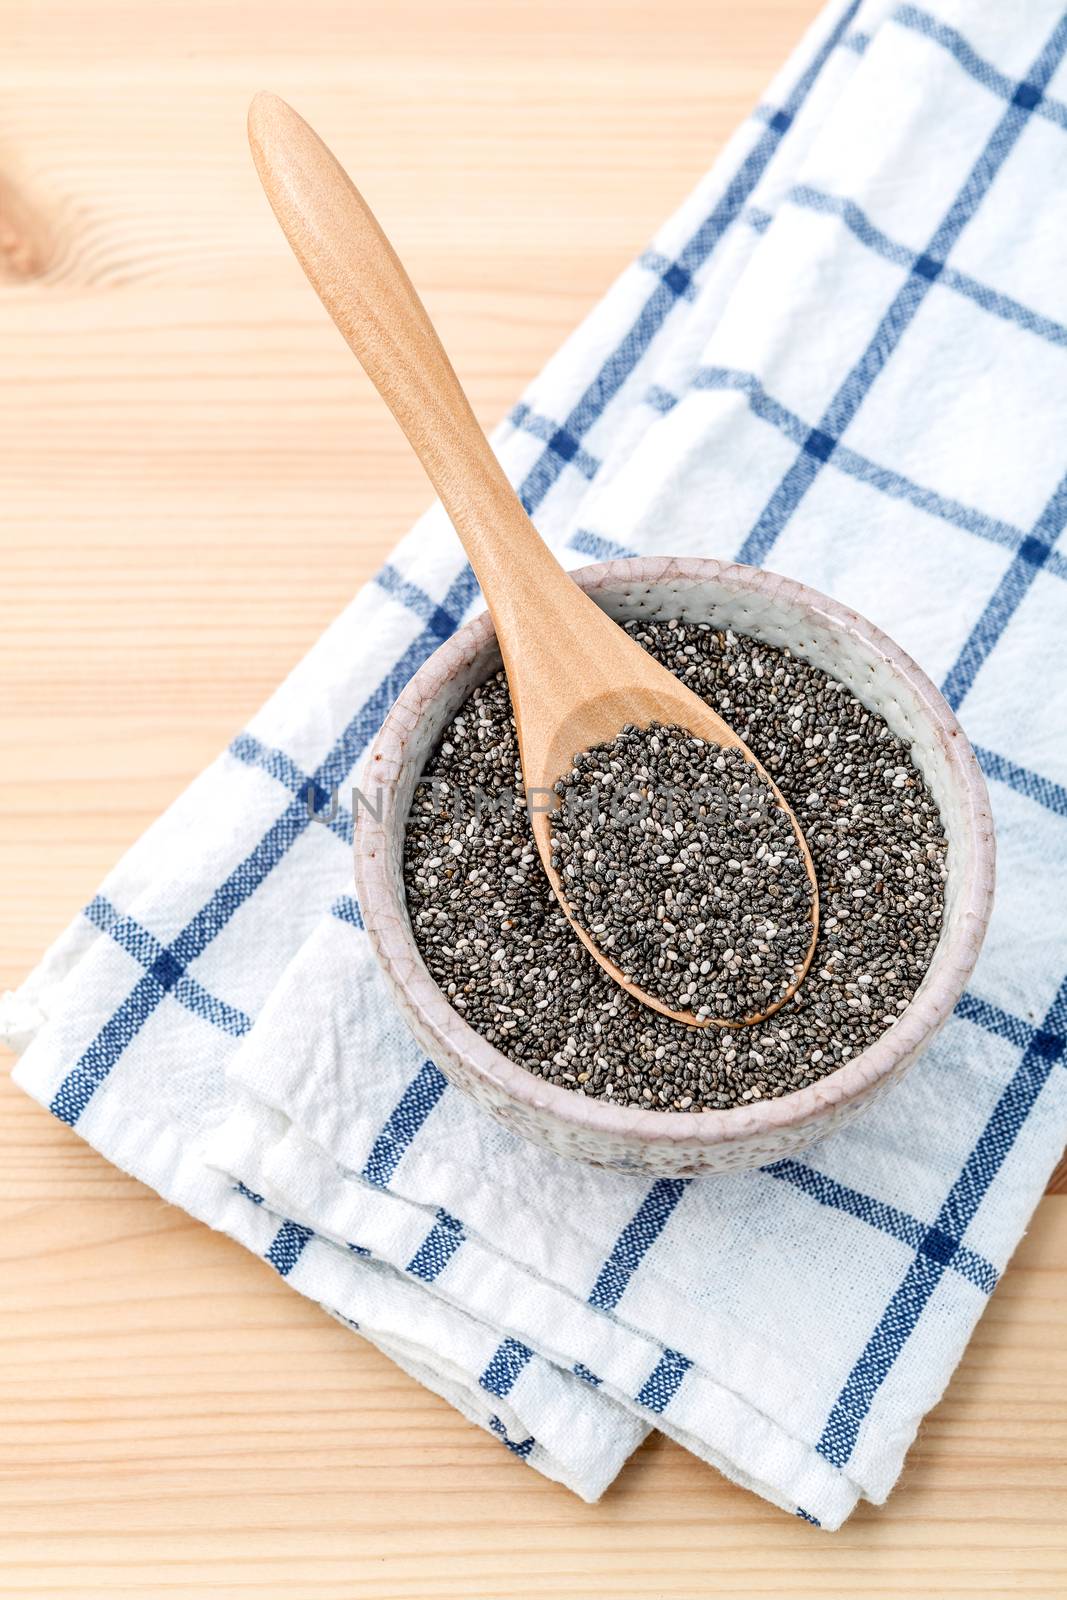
<point>388,927</point>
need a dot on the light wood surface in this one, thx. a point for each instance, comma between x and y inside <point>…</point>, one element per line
<point>576,679</point>
<point>194,479</point>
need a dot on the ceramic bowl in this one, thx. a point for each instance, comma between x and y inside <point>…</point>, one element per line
<point>671,1143</point>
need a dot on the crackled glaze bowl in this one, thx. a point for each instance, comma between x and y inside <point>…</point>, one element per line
<point>676,1143</point>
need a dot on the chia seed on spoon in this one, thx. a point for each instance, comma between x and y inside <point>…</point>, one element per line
<point>497,942</point>
<point>676,858</point>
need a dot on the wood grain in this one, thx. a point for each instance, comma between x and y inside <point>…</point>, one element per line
<point>194,480</point>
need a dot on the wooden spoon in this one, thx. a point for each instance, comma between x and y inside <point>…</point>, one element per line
<point>576,678</point>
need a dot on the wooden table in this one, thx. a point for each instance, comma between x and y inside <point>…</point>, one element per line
<point>195,477</point>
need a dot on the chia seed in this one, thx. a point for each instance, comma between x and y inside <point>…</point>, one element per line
<point>676,858</point>
<point>497,942</point>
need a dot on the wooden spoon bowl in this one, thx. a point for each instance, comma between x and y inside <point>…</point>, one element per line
<point>619,687</point>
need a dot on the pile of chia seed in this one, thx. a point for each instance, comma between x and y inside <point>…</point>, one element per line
<point>497,942</point>
<point>678,861</point>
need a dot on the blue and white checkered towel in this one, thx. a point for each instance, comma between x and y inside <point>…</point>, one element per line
<point>846,357</point>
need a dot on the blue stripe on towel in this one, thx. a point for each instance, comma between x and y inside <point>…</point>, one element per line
<point>520,1448</point>
<point>403,1123</point>
<point>663,1382</point>
<point>288,1247</point>
<point>438,1248</point>
<point>922,1277</point>
<point>639,1233</point>
<point>505,1365</point>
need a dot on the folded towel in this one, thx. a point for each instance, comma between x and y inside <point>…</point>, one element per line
<point>845,357</point>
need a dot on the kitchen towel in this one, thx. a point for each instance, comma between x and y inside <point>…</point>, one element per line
<point>846,358</point>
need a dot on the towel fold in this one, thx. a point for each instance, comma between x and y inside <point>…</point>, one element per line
<point>845,357</point>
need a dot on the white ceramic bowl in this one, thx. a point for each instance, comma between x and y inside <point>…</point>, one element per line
<point>675,1143</point>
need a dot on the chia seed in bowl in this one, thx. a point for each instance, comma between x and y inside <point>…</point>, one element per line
<point>497,943</point>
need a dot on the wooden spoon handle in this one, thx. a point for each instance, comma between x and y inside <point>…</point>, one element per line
<point>357,275</point>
